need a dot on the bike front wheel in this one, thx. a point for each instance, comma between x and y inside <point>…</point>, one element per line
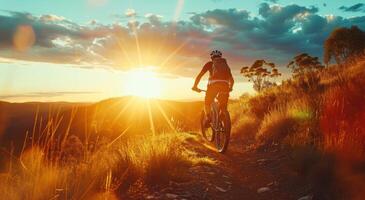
<point>224,132</point>
<point>207,132</point>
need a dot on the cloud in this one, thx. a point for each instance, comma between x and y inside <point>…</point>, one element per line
<point>277,34</point>
<point>130,12</point>
<point>359,7</point>
<point>51,18</point>
<point>49,31</point>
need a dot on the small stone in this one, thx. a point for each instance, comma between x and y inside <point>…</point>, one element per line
<point>227,182</point>
<point>171,196</point>
<point>186,194</point>
<point>263,190</point>
<point>308,197</point>
<point>270,184</point>
<point>220,189</point>
<point>262,160</point>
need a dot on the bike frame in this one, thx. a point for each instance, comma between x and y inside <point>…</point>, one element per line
<point>219,126</point>
<point>215,117</point>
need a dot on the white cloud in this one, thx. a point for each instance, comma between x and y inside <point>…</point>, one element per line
<point>130,12</point>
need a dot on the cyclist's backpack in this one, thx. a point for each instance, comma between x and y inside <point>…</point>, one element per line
<point>220,69</point>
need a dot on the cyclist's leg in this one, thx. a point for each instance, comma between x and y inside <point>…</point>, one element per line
<point>209,98</point>
<point>223,96</point>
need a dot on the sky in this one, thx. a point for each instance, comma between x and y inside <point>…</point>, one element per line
<point>88,50</point>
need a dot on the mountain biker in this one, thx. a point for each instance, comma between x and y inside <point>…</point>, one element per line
<point>220,82</point>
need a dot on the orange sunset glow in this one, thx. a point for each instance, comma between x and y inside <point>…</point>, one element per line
<point>182,100</point>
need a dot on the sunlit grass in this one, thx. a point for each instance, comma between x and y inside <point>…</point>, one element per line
<point>65,167</point>
<point>320,124</point>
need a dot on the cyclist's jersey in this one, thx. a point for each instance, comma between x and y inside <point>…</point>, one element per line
<point>209,67</point>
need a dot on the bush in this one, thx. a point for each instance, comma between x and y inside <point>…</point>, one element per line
<point>343,118</point>
<point>244,123</point>
<point>275,126</point>
<point>284,121</point>
<point>163,159</point>
<point>260,105</point>
<point>245,127</point>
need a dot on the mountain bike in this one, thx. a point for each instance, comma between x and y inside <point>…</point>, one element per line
<point>219,129</point>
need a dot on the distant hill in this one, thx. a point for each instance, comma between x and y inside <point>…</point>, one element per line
<point>108,117</point>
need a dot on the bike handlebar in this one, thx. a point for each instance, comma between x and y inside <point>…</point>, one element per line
<point>199,90</point>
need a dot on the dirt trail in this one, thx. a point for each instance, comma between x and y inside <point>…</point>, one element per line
<point>238,174</point>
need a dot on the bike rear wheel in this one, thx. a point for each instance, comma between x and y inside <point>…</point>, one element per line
<point>223,133</point>
<point>207,133</point>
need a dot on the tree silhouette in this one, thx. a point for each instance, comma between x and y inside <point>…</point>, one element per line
<point>344,44</point>
<point>304,63</point>
<point>304,67</point>
<point>260,74</point>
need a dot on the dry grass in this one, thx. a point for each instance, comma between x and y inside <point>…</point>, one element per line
<point>244,124</point>
<point>275,126</point>
<point>64,167</point>
<point>328,112</point>
<point>343,115</point>
<point>320,119</point>
<point>284,122</point>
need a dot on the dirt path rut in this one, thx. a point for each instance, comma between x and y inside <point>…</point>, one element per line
<point>241,173</point>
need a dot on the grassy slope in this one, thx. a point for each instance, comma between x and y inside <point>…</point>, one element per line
<point>107,117</point>
<point>321,123</point>
<point>106,169</point>
<point>51,150</point>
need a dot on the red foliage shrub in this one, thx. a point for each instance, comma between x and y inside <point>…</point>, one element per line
<point>343,118</point>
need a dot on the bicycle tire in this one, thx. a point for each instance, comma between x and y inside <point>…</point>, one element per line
<point>225,134</point>
<point>207,133</point>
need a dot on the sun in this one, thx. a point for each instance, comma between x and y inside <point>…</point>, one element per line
<point>143,83</point>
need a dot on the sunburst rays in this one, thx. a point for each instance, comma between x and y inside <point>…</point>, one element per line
<point>178,9</point>
<point>135,34</point>
<point>162,111</point>
<point>149,107</point>
<point>174,53</point>
<point>141,45</point>
<point>137,111</point>
<point>126,106</point>
<point>150,117</point>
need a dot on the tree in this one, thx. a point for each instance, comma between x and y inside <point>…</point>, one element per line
<point>344,44</point>
<point>260,74</point>
<point>304,67</point>
<point>304,63</point>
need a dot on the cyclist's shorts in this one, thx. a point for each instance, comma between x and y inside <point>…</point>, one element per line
<point>219,90</point>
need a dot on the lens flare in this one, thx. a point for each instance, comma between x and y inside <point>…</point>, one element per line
<point>23,38</point>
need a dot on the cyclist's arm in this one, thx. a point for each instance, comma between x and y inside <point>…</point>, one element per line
<point>231,82</point>
<point>200,75</point>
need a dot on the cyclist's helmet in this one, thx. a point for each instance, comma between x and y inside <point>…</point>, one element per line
<point>215,53</point>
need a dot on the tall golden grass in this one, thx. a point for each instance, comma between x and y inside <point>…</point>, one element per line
<point>331,104</point>
<point>62,166</point>
<point>321,119</point>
